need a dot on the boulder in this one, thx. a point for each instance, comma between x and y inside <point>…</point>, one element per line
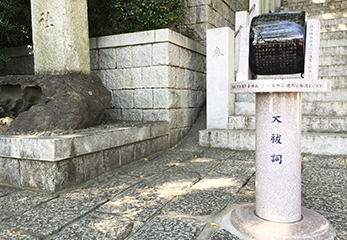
<point>51,102</point>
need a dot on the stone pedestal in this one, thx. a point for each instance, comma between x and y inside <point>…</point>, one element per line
<point>278,138</point>
<point>60,37</point>
<point>277,213</point>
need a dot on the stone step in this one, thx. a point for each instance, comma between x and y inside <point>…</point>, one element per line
<point>328,16</point>
<point>318,108</point>
<point>332,43</point>
<point>336,81</point>
<point>331,22</point>
<point>333,70</point>
<point>338,59</point>
<point>328,51</point>
<point>311,143</point>
<point>309,123</point>
<point>334,28</point>
<point>336,95</point>
<point>333,35</point>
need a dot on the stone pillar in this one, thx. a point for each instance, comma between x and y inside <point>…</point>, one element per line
<point>60,37</point>
<point>241,21</point>
<point>278,154</point>
<point>220,74</point>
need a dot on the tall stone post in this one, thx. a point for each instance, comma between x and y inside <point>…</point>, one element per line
<point>60,37</point>
<point>277,212</point>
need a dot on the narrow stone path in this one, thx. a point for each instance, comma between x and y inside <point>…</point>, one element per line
<point>186,192</point>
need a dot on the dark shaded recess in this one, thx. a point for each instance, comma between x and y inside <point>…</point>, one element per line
<point>15,99</point>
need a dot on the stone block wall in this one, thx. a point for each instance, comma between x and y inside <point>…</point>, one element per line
<point>206,14</point>
<point>22,61</point>
<point>157,75</point>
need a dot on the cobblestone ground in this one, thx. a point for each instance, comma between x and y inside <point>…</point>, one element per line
<point>186,192</point>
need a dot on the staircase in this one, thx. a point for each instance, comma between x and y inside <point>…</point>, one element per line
<point>324,115</point>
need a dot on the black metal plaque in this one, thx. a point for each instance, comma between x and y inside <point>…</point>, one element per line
<point>277,43</point>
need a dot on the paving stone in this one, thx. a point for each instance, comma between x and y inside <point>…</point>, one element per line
<point>324,162</point>
<point>247,156</point>
<point>191,141</point>
<point>174,156</point>
<point>331,177</point>
<point>4,190</point>
<point>198,203</point>
<point>199,165</point>
<point>52,216</point>
<point>334,200</point>
<point>96,226</point>
<point>10,233</point>
<point>111,185</point>
<point>338,221</point>
<point>21,201</point>
<point>169,228</point>
<point>249,188</point>
<point>228,177</point>
<point>218,153</point>
<point>223,235</point>
<point>174,179</point>
<point>144,168</point>
<point>139,203</point>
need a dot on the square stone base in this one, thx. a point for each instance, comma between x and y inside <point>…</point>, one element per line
<point>55,163</point>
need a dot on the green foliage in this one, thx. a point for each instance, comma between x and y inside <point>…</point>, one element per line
<point>123,16</point>
<point>106,17</point>
<point>3,59</point>
<point>15,25</point>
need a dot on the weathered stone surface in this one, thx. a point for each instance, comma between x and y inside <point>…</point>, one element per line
<point>144,168</point>
<point>60,37</point>
<point>223,235</point>
<point>331,177</point>
<point>9,171</point>
<point>199,165</point>
<point>10,233</point>
<point>324,162</point>
<point>96,226</point>
<point>227,177</point>
<point>111,185</point>
<point>169,228</point>
<point>6,190</point>
<point>139,203</point>
<point>51,216</point>
<point>219,153</point>
<point>198,203</point>
<point>21,201</point>
<point>174,156</point>
<point>333,200</point>
<point>62,102</point>
<point>338,221</point>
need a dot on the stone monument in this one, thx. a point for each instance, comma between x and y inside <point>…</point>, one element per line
<point>279,43</point>
<point>62,95</point>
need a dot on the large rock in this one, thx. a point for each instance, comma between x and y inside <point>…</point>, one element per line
<point>51,102</point>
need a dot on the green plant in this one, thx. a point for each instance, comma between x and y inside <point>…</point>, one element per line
<point>123,16</point>
<point>3,59</point>
<point>15,25</point>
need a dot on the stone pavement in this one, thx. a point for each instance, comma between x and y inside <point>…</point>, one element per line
<point>186,192</point>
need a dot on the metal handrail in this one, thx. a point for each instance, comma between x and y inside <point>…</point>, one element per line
<point>238,31</point>
<point>251,9</point>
